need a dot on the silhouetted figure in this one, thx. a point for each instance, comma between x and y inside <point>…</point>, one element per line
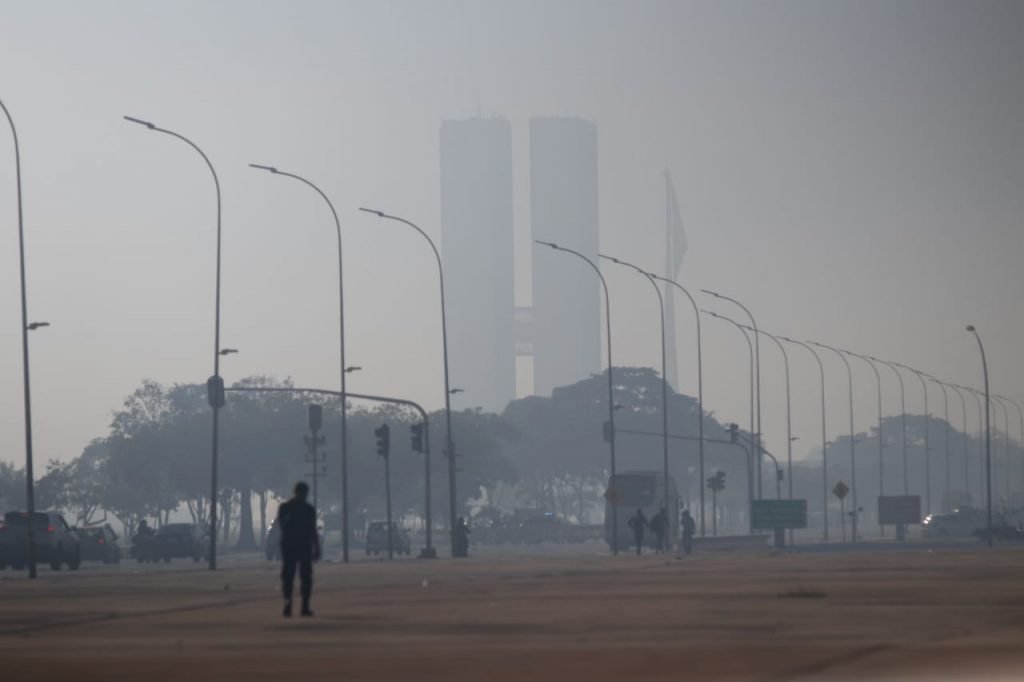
<point>639,524</point>
<point>659,526</point>
<point>144,531</point>
<point>689,528</point>
<point>300,546</point>
<point>460,539</point>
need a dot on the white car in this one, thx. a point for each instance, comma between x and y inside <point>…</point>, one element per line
<point>957,524</point>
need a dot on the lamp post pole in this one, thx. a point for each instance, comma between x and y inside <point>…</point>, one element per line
<point>824,438</point>
<point>757,355</point>
<point>30,496</point>
<point>988,438</point>
<point>750,462</point>
<point>664,379</point>
<point>1006,443</point>
<point>881,444</point>
<point>452,504</point>
<point>963,406</point>
<point>903,423</point>
<point>342,368</point>
<point>789,421</point>
<point>853,445</point>
<point>945,406</point>
<point>611,398</point>
<point>927,446</point>
<point>700,395</point>
<point>981,437</point>
<point>216,396</point>
<point>1020,414</point>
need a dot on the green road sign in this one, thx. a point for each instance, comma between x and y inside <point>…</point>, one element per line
<point>772,514</point>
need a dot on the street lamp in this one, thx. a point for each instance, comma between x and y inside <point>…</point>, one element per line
<point>757,370</point>
<point>789,420</point>
<point>824,441</point>
<point>700,394</point>
<point>945,405</point>
<point>903,422</point>
<point>853,445</point>
<point>981,435</point>
<point>664,379</point>
<point>750,349</point>
<point>988,438</point>
<point>341,353</point>
<point>444,348</point>
<point>349,370</point>
<point>881,445</point>
<point>30,497</point>
<point>611,400</point>
<point>927,447</point>
<point>963,407</point>
<point>216,397</point>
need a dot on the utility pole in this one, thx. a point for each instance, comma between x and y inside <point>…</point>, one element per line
<point>383,433</point>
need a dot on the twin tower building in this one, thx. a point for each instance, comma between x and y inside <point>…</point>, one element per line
<point>487,334</point>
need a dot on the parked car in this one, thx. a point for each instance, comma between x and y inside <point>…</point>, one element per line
<point>56,542</point>
<point>99,543</point>
<point>179,541</point>
<point>377,539</point>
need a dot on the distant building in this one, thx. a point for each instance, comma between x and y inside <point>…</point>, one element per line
<point>566,317</point>
<point>476,247</point>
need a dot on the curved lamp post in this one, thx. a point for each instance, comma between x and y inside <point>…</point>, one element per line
<point>853,445</point>
<point>757,370</point>
<point>927,446</point>
<point>664,379</point>
<point>343,372</point>
<point>611,398</point>
<point>30,497</point>
<point>903,422</point>
<point>963,407</point>
<point>881,444</point>
<point>789,420</point>
<point>988,438</point>
<point>700,394</point>
<point>824,438</point>
<point>452,506</point>
<point>945,406</point>
<point>215,401</point>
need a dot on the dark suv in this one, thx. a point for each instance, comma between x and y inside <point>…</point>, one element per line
<point>56,542</point>
<point>179,541</point>
<point>377,539</point>
<point>99,544</point>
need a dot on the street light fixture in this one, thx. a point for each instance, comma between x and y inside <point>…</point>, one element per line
<point>853,444</point>
<point>26,383</point>
<point>988,438</point>
<point>349,370</point>
<point>664,379</point>
<point>700,393</point>
<point>789,420</point>
<point>215,401</point>
<point>444,346</point>
<point>612,406</point>
<point>228,351</point>
<point>341,353</point>
<point>757,370</point>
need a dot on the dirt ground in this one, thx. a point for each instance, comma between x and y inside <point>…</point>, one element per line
<point>929,615</point>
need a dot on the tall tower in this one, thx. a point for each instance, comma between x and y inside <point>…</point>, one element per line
<point>476,246</point>
<point>563,209</point>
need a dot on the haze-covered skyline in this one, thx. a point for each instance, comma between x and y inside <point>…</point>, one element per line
<point>850,171</point>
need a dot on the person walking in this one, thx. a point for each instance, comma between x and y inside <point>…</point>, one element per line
<point>300,546</point>
<point>659,526</point>
<point>639,524</point>
<point>689,528</point>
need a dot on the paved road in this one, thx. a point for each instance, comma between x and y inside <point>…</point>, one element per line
<point>927,615</point>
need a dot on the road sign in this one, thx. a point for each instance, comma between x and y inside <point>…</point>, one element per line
<point>899,509</point>
<point>771,514</point>
<point>841,490</point>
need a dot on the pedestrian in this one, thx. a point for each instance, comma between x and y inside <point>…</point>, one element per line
<point>638,523</point>
<point>689,528</point>
<point>659,525</point>
<point>460,539</point>
<point>300,546</point>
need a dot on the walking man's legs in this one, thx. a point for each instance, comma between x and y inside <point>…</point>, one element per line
<point>306,582</point>
<point>288,565</point>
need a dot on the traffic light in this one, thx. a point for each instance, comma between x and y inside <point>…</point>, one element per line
<point>717,481</point>
<point>417,437</point>
<point>608,432</point>
<point>315,417</point>
<point>734,432</point>
<point>215,391</point>
<point>383,433</point>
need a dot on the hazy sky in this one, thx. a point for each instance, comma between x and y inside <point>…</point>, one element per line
<point>852,171</point>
